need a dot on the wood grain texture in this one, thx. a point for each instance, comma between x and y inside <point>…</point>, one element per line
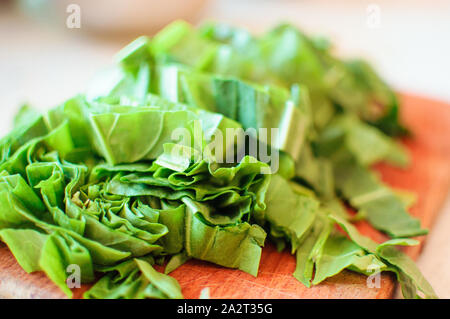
<point>428,176</point>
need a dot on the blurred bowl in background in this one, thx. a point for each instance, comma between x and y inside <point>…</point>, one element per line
<point>115,16</point>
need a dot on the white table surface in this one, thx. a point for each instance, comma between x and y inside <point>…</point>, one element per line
<point>410,48</point>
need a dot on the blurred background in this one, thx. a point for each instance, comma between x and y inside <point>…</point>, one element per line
<point>50,49</point>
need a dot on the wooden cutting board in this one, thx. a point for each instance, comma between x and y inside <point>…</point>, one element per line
<point>428,177</point>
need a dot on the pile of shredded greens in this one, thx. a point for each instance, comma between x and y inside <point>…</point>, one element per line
<point>94,182</point>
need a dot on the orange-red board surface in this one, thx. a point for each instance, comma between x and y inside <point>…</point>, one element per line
<point>428,176</point>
